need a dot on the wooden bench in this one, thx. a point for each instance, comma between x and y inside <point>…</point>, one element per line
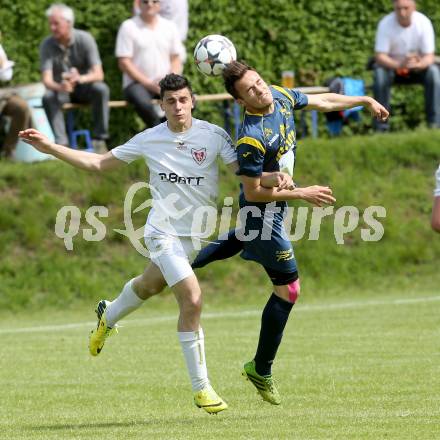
<point>199,98</point>
<point>226,98</point>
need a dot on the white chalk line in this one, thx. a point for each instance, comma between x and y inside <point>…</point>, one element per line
<point>230,314</point>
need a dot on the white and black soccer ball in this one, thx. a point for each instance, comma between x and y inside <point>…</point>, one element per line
<point>213,53</point>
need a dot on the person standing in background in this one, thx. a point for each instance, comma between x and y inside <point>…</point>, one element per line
<point>174,10</point>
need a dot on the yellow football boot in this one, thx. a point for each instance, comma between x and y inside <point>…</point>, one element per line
<point>209,400</point>
<point>102,332</point>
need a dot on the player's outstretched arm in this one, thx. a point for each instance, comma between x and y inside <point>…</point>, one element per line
<point>255,192</point>
<point>79,159</point>
<point>329,102</point>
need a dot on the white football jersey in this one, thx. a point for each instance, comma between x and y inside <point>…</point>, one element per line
<point>183,172</point>
<point>437,181</point>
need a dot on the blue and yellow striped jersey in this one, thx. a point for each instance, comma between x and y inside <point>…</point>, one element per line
<point>267,143</point>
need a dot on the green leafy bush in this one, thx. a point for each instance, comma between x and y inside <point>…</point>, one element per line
<point>317,39</point>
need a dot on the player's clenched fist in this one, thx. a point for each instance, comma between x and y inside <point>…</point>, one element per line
<point>377,110</point>
<point>285,182</point>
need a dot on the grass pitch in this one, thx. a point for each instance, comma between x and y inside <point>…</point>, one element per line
<point>362,368</point>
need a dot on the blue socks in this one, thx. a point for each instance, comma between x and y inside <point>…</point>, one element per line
<point>273,320</point>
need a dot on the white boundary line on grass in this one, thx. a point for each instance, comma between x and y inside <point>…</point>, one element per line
<point>231,314</point>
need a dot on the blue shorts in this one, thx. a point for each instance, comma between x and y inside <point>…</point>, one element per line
<point>270,245</point>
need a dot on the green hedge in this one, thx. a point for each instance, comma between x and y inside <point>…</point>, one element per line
<point>317,39</point>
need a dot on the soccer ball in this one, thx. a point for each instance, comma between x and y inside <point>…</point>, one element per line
<point>213,53</point>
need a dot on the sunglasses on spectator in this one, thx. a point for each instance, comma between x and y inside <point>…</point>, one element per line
<point>146,2</point>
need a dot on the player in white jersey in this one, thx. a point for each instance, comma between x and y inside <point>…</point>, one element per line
<point>435,220</point>
<point>182,157</point>
<point>184,177</point>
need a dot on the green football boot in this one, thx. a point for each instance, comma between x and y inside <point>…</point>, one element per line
<point>264,384</point>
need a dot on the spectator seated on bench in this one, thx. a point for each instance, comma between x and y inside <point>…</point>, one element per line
<point>405,54</point>
<point>72,72</point>
<point>144,65</point>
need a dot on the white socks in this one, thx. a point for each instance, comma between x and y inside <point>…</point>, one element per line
<point>125,303</point>
<point>193,343</point>
<point>193,347</point>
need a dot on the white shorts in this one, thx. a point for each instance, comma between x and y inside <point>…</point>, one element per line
<point>173,255</point>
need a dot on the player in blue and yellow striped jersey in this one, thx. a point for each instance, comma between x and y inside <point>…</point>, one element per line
<point>267,144</point>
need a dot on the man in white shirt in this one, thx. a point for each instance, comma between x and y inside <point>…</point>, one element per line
<point>148,47</point>
<point>404,53</point>
<point>181,155</point>
<point>435,220</point>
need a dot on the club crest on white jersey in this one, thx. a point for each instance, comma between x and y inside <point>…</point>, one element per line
<point>199,155</point>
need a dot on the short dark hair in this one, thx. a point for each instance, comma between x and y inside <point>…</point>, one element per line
<point>233,73</point>
<point>173,82</point>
